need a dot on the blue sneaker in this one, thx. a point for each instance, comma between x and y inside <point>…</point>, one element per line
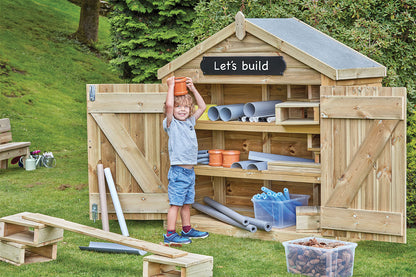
<point>194,234</point>
<point>175,238</point>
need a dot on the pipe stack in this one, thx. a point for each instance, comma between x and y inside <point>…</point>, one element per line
<point>203,157</point>
<point>227,215</point>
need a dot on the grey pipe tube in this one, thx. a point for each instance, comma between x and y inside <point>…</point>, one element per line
<point>231,112</point>
<point>267,157</point>
<point>227,211</point>
<point>261,108</point>
<point>258,166</point>
<point>222,217</point>
<point>261,224</point>
<point>242,164</point>
<point>214,113</point>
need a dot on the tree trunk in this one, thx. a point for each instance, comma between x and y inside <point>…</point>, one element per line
<point>88,22</point>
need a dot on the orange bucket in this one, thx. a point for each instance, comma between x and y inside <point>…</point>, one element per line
<point>229,157</point>
<point>215,157</point>
<point>180,86</point>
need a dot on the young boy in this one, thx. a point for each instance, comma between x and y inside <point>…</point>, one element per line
<point>183,149</point>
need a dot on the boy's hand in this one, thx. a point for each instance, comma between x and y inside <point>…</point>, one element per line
<point>170,81</point>
<point>190,84</point>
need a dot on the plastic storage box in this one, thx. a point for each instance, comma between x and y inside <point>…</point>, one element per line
<point>280,213</point>
<point>336,259</point>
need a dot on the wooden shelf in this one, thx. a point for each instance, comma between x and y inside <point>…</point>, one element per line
<point>297,113</point>
<point>287,175</point>
<point>256,127</point>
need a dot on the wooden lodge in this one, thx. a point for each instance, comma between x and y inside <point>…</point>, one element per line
<point>334,111</point>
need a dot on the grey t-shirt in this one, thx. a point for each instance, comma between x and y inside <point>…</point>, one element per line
<point>182,144</point>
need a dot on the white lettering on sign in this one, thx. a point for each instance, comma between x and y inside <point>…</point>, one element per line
<point>229,65</point>
<point>256,66</point>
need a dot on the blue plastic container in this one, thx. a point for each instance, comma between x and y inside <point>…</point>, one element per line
<point>282,214</point>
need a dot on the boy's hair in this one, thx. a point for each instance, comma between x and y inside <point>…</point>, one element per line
<point>183,100</point>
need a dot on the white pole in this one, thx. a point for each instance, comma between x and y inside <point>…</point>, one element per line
<point>116,202</point>
<point>103,197</point>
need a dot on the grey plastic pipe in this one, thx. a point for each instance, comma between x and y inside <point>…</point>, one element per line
<point>267,157</point>
<point>242,164</point>
<point>261,108</point>
<point>261,224</point>
<point>231,112</point>
<point>258,166</point>
<point>214,113</point>
<point>227,211</point>
<point>222,217</point>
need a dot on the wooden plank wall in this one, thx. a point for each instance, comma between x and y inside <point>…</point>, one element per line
<point>384,189</point>
<point>146,131</point>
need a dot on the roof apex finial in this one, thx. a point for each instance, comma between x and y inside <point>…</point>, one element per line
<point>240,25</point>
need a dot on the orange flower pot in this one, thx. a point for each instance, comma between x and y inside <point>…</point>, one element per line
<point>215,157</point>
<point>229,157</point>
<point>180,86</point>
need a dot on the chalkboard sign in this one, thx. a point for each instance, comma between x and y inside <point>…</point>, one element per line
<point>274,65</point>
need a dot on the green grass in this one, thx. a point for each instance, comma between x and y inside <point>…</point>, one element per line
<point>42,90</point>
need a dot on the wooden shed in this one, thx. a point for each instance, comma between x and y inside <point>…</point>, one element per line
<point>334,111</point>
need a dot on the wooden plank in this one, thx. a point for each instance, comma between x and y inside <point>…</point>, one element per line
<point>136,202</point>
<point>5,125</point>
<point>107,236</point>
<point>356,220</point>
<point>256,174</point>
<point>350,182</point>
<point>308,218</point>
<point>127,103</point>
<point>129,152</point>
<point>187,261</point>
<point>196,51</point>
<point>363,107</point>
<point>256,127</point>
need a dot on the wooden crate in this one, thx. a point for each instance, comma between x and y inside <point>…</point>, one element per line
<point>18,254</point>
<point>190,265</point>
<point>297,113</point>
<point>16,229</point>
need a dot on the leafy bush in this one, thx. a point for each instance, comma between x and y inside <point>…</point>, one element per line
<point>146,34</point>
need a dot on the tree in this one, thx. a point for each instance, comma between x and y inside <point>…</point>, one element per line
<point>146,34</point>
<point>87,32</point>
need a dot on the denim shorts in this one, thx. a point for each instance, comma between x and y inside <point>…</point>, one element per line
<point>181,188</point>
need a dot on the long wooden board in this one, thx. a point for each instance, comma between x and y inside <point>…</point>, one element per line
<point>108,236</point>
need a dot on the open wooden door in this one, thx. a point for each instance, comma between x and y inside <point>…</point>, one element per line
<point>363,151</point>
<point>125,134</point>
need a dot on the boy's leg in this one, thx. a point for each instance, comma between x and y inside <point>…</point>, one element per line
<point>172,215</point>
<point>171,237</point>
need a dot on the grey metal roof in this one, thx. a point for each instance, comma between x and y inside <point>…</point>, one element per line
<point>314,43</point>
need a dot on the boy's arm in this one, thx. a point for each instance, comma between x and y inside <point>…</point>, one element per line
<point>169,100</point>
<point>198,98</point>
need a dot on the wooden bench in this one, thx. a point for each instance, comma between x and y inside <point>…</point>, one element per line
<point>9,149</point>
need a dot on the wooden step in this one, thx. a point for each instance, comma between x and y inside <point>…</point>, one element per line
<point>191,265</point>
<point>18,254</point>
<point>16,229</point>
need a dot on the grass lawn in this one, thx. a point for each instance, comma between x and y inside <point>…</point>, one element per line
<point>42,90</point>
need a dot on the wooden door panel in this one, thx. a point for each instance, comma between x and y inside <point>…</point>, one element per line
<point>363,152</point>
<point>125,134</point>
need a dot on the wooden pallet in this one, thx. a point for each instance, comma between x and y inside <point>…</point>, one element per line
<point>187,266</point>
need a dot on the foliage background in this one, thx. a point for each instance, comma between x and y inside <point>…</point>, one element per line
<point>146,34</point>
<point>382,30</point>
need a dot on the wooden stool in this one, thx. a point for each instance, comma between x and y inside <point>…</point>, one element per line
<point>16,229</point>
<point>190,265</point>
<point>18,254</point>
<point>24,242</point>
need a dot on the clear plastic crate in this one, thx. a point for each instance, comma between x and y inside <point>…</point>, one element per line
<point>315,261</point>
<point>281,214</point>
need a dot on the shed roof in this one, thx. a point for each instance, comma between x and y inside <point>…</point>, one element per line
<point>299,40</point>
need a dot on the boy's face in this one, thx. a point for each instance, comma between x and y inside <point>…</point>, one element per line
<point>181,111</point>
